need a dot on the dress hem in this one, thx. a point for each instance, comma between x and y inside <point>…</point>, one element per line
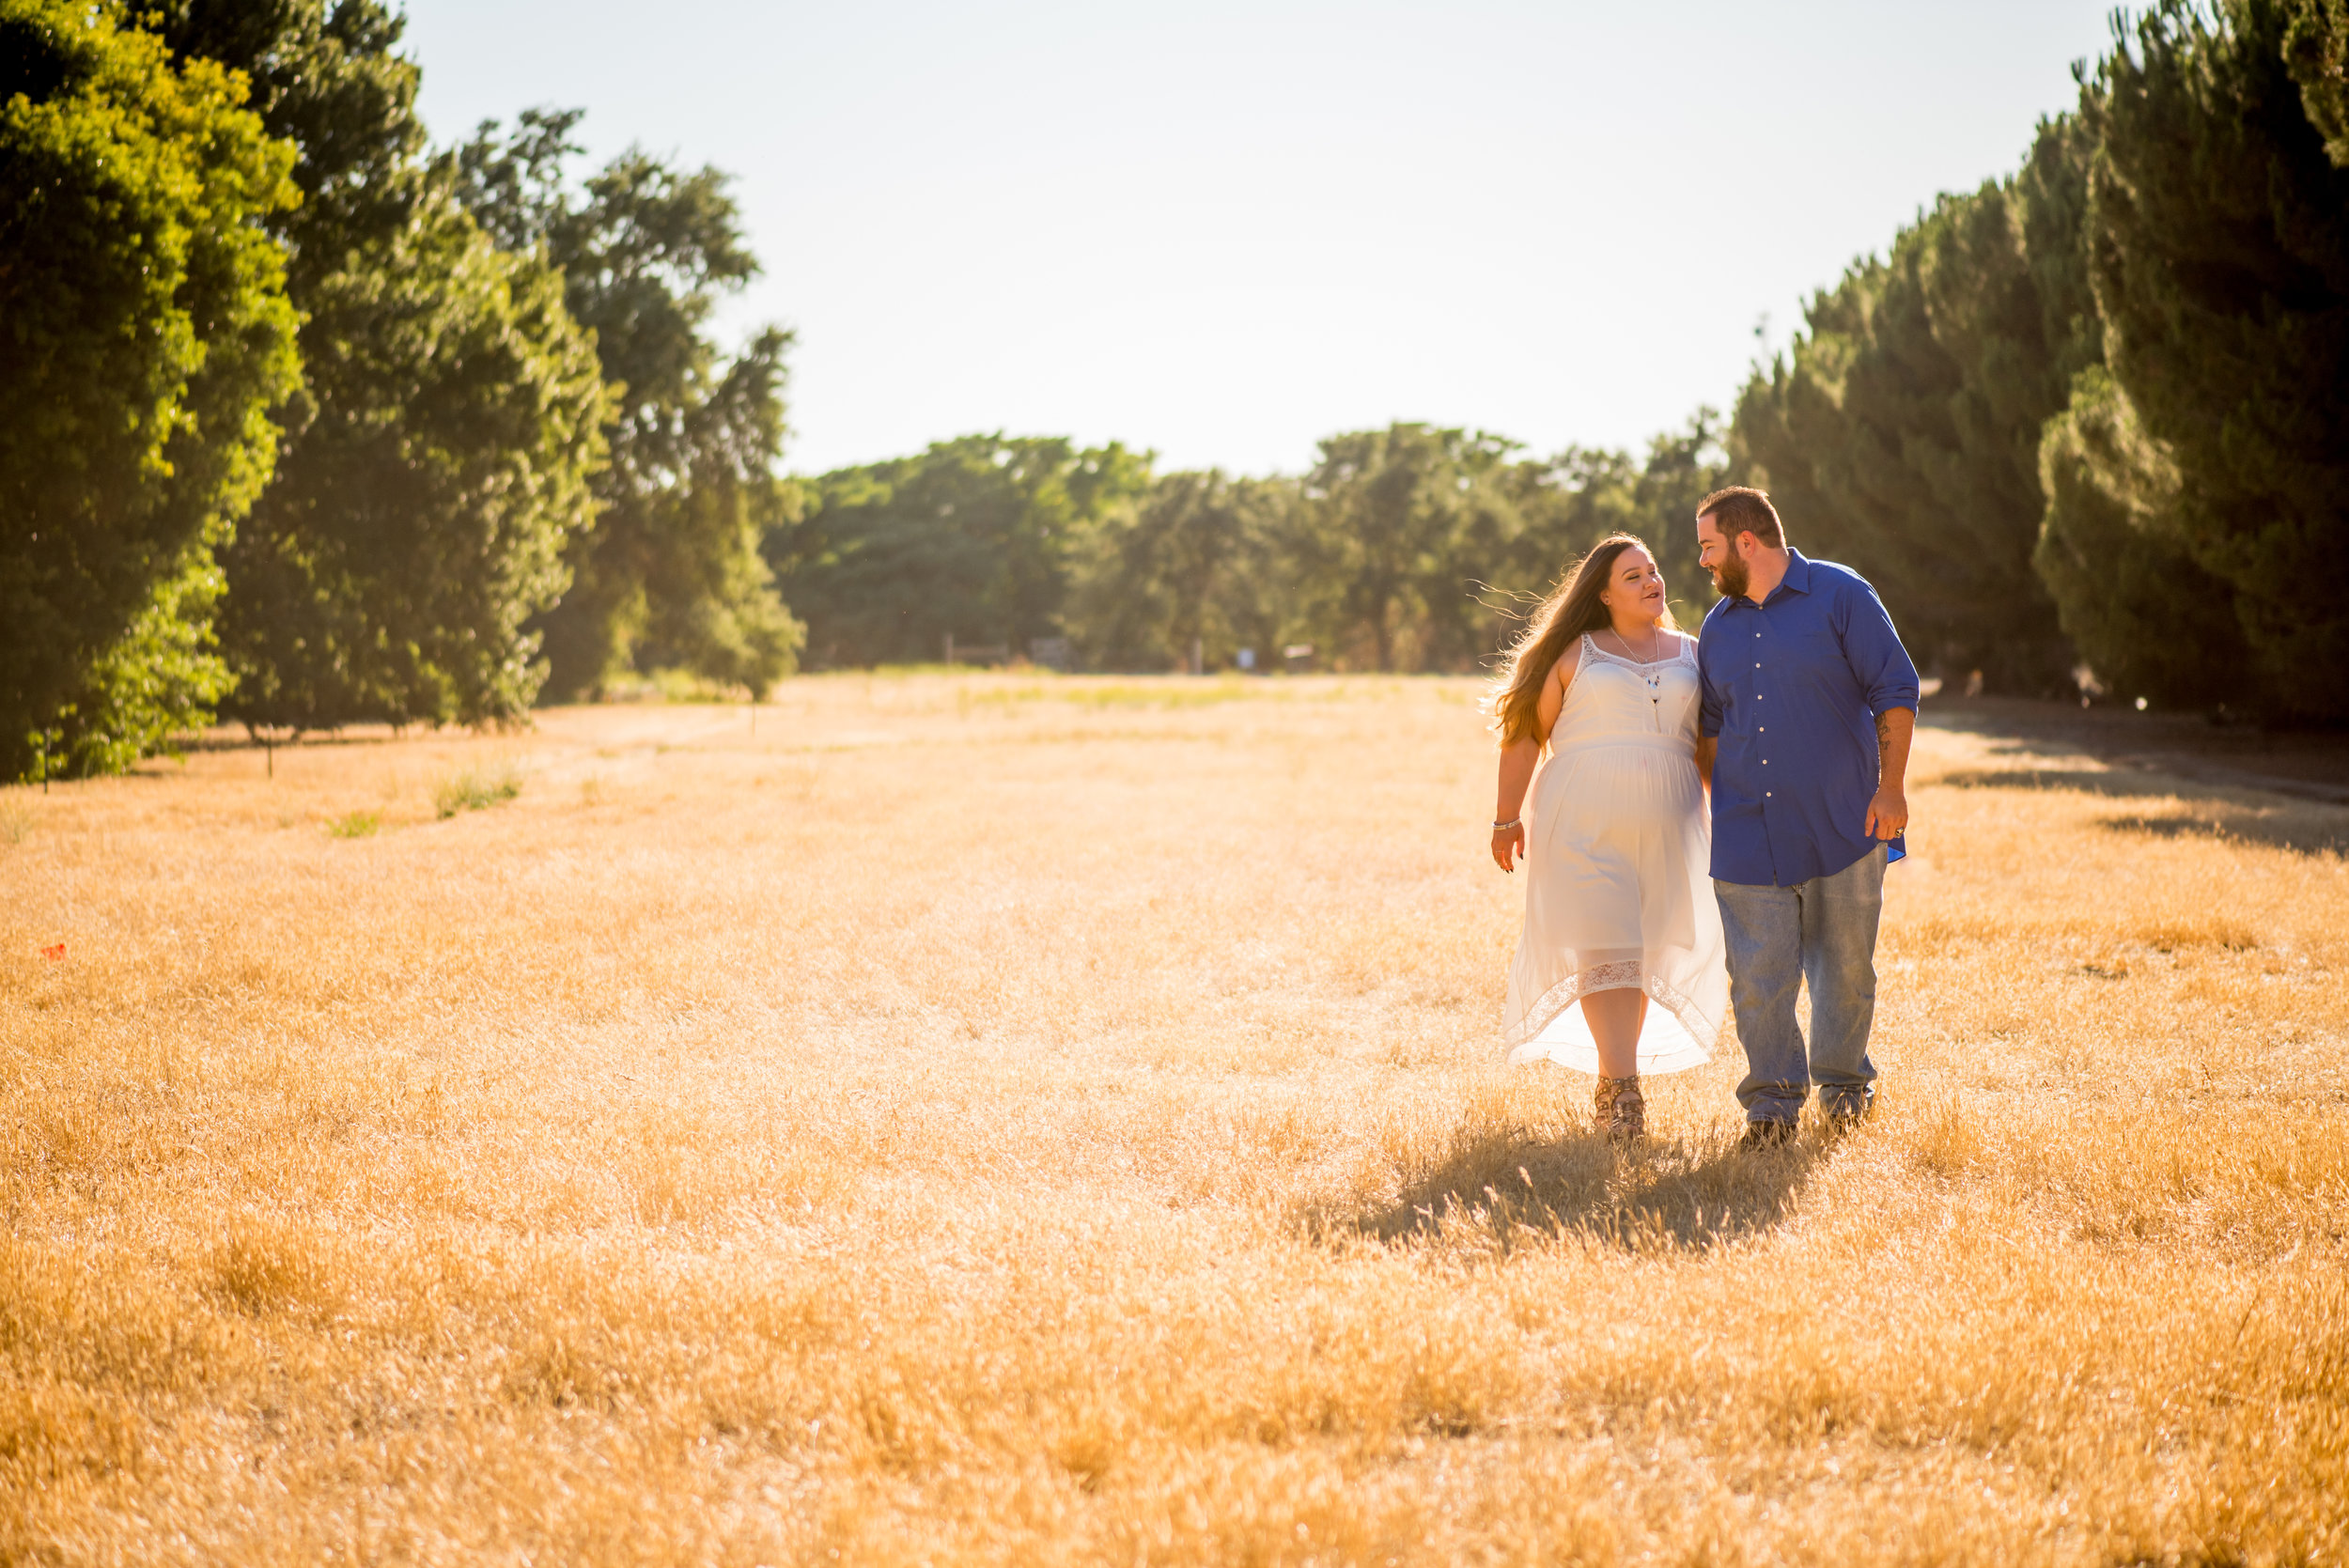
<point>1703,1031</point>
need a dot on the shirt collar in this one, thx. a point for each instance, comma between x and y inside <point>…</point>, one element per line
<point>1797,581</point>
<point>1797,572</point>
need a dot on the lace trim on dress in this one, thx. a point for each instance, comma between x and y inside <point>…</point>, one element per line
<point>1625,975</point>
<point>1684,651</point>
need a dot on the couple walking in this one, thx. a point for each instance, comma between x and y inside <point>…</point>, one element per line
<point>1794,708</point>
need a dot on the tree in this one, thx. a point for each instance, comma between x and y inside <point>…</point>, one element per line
<point>1400,527</point>
<point>672,575</point>
<point>2149,622</point>
<point>437,458</point>
<point>453,421</point>
<point>1902,433</point>
<point>973,539</point>
<point>144,340</point>
<point>2218,246</point>
<point>2317,45</point>
<point>1196,563</point>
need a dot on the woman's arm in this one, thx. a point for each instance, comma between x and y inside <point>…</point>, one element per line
<point>1517,761</point>
<point>1519,758</point>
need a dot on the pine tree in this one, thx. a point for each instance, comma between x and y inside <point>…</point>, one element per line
<point>1902,435</point>
<point>2317,45</point>
<point>2219,251</point>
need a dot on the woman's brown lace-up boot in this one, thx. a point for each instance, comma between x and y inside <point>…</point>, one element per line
<point>1618,1109</point>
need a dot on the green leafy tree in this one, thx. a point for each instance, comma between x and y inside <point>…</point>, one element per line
<point>145,339</point>
<point>673,573</point>
<point>454,420</point>
<point>975,538</point>
<point>437,458</point>
<point>1198,563</point>
<point>1398,529</point>
<point>2218,246</point>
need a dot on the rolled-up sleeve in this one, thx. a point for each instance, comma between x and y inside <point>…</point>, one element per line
<point>1872,648</point>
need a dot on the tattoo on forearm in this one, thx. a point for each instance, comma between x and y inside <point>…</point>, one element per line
<point>1884,740</point>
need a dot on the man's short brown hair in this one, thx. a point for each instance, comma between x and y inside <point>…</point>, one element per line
<point>1742,509</point>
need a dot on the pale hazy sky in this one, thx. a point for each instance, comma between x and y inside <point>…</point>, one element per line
<point>1224,230</point>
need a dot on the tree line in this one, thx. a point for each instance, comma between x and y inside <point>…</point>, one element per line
<point>2086,427</point>
<point>2090,423</point>
<point>1409,548</point>
<point>305,423</point>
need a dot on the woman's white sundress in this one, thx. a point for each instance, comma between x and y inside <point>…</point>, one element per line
<point>1619,893</point>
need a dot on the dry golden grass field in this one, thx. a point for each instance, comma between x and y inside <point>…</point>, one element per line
<point>999,1120</point>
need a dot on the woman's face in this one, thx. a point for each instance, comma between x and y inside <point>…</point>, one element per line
<point>1636,587</point>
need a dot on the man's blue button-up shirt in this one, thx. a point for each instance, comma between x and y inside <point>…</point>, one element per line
<point>1792,688</point>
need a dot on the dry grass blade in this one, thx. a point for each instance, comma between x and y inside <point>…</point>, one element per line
<point>999,1120</point>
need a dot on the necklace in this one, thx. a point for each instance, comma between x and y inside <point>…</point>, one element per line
<point>1654,643</point>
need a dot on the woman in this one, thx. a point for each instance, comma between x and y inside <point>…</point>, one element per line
<point>1619,909</point>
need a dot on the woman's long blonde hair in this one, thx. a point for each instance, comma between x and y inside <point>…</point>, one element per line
<point>1571,609</point>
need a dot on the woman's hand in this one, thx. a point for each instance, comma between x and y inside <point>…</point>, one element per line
<point>1509,846</point>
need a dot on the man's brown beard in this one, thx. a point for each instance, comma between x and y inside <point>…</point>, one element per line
<point>1731,576</point>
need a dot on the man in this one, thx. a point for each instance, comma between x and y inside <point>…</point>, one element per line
<point>1808,703</point>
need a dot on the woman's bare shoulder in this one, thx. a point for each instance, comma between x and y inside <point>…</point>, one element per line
<point>1568,664</point>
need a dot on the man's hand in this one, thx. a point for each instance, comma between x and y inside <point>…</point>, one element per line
<point>1508,846</point>
<point>1888,812</point>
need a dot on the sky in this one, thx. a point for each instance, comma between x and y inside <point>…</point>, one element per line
<point>1221,231</point>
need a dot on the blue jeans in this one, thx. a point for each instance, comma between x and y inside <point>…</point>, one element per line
<point>1825,931</point>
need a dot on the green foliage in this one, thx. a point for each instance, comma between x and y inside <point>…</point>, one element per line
<point>452,421</point>
<point>973,539</point>
<point>324,75</point>
<point>1900,435</point>
<point>1439,536</point>
<point>1391,520</point>
<point>671,574</point>
<point>163,678</point>
<point>436,457</point>
<point>2317,45</point>
<point>144,340</point>
<point>2149,622</point>
<point>477,786</point>
<point>357,824</point>
<point>1198,560</point>
<point>2219,253</point>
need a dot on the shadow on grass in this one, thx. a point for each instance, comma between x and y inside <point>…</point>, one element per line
<point>1494,1187</point>
<point>2305,828</point>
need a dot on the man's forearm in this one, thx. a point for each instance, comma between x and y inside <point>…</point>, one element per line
<point>1895,728</point>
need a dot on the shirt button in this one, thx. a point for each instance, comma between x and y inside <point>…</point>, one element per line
<point>1766,795</point>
